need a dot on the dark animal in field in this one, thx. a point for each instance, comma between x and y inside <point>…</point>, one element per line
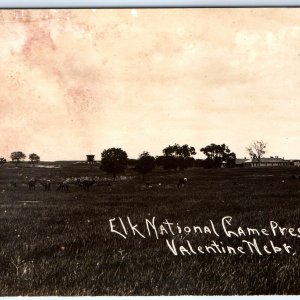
<point>13,184</point>
<point>181,182</point>
<point>47,185</point>
<point>105,183</point>
<point>78,182</point>
<point>31,184</point>
<point>86,184</point>
<point>63,186</point>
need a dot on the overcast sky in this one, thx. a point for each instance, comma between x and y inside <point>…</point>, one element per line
<point>75,82</point>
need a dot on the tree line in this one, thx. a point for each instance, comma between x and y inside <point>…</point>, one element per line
<point>18,156</point>
<point>175,157</point>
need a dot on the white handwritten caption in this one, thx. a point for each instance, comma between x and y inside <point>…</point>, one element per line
<point>179,244</point>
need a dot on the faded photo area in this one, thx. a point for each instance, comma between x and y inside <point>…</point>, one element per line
<point>149,152</point>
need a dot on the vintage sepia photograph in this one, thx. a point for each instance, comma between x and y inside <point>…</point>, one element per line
<point>149,152</point>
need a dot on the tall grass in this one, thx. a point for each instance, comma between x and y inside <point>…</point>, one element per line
<point>58,243</point>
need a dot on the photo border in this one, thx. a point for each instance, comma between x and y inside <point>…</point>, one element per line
<point>150,4</point>
<point>33,4</point>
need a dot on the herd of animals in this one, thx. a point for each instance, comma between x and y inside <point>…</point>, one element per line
<point>64,185</point>
<point>83,182</point>
<point>86,182</point>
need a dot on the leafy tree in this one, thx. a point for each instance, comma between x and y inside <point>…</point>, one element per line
<point>257,149</point>
<point>34,158</point>
<point>218,155</point>
<point>185,162</point>
<point>170,163</point>
<point>170,150</point>
<point>199,163</point>
<point>114,161</point>
<point>17,156</point>
<point>185,151</point>
<point>2,161</point>
<point>131,162</point>
<point>229,160</point>
<point>145,163</point>
<point>178,156</point>
<point>159,160</point>
<point>167,162</point>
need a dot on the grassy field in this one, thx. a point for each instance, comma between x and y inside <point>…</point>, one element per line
<point>59,243</point>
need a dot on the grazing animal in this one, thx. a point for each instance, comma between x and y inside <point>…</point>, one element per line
<point>104,184</point>
<point>86,184</point>
<point>32,184</point>
<point>79,181</point>
<point>181,182</point>
<point>46,185</point>
<point>63,186</point>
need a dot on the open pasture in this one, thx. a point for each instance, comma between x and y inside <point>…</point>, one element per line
<point>59,243</point>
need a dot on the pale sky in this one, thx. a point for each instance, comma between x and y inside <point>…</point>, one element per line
<point>75,82</point>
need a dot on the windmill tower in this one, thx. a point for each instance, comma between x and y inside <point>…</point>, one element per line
<point>90,159</point>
